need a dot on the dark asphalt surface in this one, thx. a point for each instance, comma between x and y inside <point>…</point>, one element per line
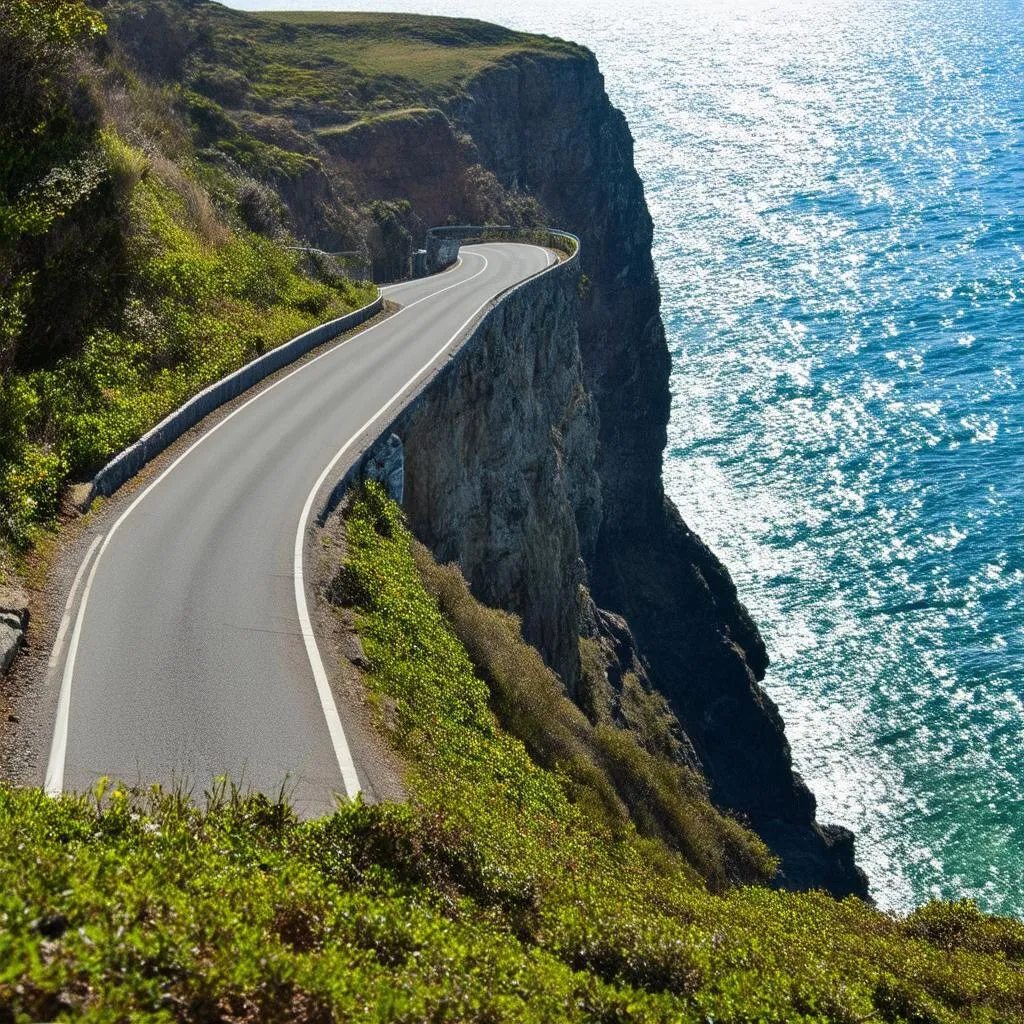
<point>189,661</point>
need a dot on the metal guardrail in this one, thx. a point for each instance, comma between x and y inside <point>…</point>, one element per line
<point>128,462</point>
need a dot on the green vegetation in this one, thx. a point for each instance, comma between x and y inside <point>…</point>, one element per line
<point>390,59</point>
<point>502,892</point>
<point>603,769</point>
<point>550,865</point>
<point>333,112</point>
<point>129,280</point>
<point>332,68</point>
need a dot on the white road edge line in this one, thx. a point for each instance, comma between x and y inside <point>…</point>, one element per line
<point>54,781</point>
<point>65,621</point>
<point>334,726</point>
<point>330,708</point>
<point>323,686</point>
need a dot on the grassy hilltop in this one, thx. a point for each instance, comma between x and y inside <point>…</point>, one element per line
<point>354,63</point>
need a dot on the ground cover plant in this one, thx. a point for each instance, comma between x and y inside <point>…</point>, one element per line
<point>544,868</point>
<point>497,893</point>
<point>129,280</point>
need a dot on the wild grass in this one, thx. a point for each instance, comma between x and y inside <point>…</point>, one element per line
<point>432,52</point>
<point>203,301</point>
<point>331,66</point>
<point>607,768</point>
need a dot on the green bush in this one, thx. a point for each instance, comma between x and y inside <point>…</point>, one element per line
<point>194,313</point>
<point>48,171</point>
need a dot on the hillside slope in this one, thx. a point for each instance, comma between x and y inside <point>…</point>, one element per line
<point>219,139</point>
<point>131,277</point>
<point>506,890</point>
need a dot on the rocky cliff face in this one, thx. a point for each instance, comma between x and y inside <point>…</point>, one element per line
<point>500,466</point>
<point>536,463</point>
<point>547,128</point>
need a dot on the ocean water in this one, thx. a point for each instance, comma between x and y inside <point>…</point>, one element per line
<point>838,193</point>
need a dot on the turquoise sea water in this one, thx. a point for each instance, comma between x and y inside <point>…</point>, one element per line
<point>838,192</point>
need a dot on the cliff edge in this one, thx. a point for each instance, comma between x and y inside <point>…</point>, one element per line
<point>538,466</point>
<point>703,650</point>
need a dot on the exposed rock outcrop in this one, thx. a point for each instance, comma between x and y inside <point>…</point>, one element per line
<point>500,457</point>
<point>14,615</point>
<point>386,464</point>
<point>546,126</point>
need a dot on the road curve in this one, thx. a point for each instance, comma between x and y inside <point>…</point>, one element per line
<point>189,653</point>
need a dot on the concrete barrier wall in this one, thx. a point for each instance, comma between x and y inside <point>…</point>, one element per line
<point>443,243</point>
<point>125,465</point>
<point>570,267</point>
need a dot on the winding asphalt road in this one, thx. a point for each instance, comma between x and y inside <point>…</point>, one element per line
<point>189,652</point>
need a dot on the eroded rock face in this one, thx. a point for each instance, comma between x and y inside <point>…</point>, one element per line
<point>386,464</point>
<point>546,126</point>
<point>500,466</point>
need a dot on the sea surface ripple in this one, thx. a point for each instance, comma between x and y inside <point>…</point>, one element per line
<point>838,195</point>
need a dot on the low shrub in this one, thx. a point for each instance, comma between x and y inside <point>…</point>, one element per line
<point>490,896</point>
<point>607,768</point>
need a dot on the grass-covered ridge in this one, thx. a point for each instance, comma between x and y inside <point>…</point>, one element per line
<point>265,75</point>
<point>130,275</point>
<point>432,54</point>
<point>499,893</point>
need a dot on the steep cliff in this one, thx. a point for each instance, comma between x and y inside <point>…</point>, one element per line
<point>575,155</point>
<point>500,468</point>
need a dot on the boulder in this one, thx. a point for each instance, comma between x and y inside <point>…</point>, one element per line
<point>386,464</point>
<point>10,643</point>
<point>14,604</point>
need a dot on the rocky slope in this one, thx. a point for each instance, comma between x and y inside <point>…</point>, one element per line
<point>500,466</point>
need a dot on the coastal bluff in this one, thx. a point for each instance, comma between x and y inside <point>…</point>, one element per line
<point>538,466</point>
